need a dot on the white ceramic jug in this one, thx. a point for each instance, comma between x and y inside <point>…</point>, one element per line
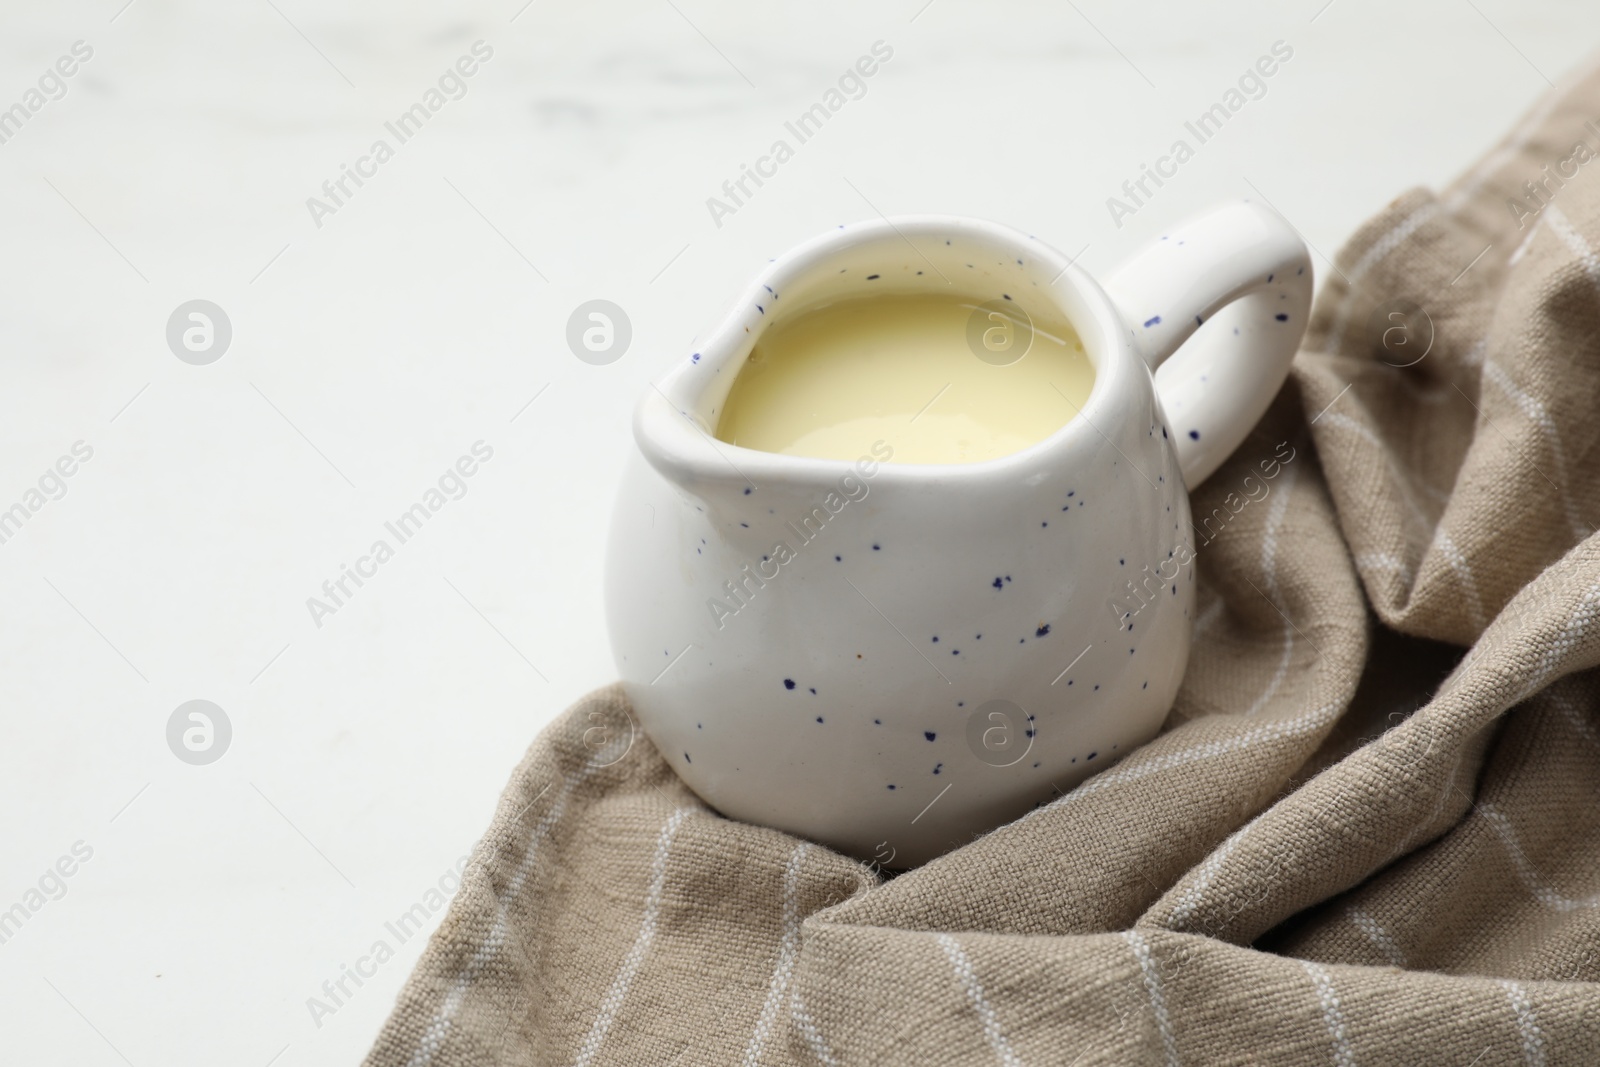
<point>892,658</point>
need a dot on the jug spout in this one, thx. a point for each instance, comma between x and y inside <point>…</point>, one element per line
<point>675,428</point>
<point>743,492</point>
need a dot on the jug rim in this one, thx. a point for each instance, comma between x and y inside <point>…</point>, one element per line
<point>679,439</point>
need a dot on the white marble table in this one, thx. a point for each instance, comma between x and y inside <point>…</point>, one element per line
<point>421,316</point>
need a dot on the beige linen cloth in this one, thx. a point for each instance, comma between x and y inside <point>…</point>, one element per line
<point>1369,834</point>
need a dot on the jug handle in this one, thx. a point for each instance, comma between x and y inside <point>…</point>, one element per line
<point>1244,272</point>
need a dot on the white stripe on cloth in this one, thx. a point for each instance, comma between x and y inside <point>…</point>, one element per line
<point>1571,636</point>
<point>1573,712</point>
<point>1380,248</point>
<point>1442,394</point>
<point>1463,571</point>
<point>1404,481</point>
<point>968,979</point>
<point>1441,495</point>
<point>1428,825</point>
<point>1134,771</point>
<point>1544,894</point>
<point>1152,988</point>
<point>1563,228</point>
<point>1374,932</point>
<point>611,1003</point>
<point>1332,1015</point>
<point>1269,571</point>
<point>788,941</point>
<point>808,1030</point>
<point>1385,561</point>
<point>1356,427</point>
<point>1527,242</point>
<point>1535,412</point>
<point>438,1028</point>
<point>1192,897</point>
<point>1209,616</point>
<point>1527,1024</point>
<point>1401,478</point>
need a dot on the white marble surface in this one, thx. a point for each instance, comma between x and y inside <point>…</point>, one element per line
<point>367,757</point>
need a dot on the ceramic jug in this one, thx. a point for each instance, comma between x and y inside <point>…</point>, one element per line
<point>891,658</point>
